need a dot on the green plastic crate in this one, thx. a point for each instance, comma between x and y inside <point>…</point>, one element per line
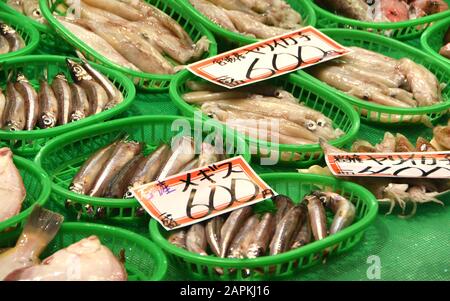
<point>301,6</point>
<point>50,42</point>
<point>296,186</point>
<point>28,33</point>
<point>38,188</point>
<point>376,113</point>
<point>144,261</point>
<point>28,143</point>
<point>404,30</point>
<point>145,81</point>
<point>433,39</point>
<point>318,98</point>
<point>62,157</point>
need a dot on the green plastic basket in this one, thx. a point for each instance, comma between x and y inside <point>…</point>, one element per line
<point>404,30</point>
<point>284,265</point>
<point>38,188</point>
<point>28,143</point>
<point>237,40</point>
<point>50,42</point>
<point>433,39</point>
<point>28,33</point>
<point>146,81</point>
<point>383,114</point>
<point>63,156</point>
<point>318,98</point>
<point>144,261</point>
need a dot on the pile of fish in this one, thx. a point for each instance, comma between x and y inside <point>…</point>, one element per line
<point>249,110</point>
<point>10,39</point>
<point>397,191</point>
<point>29,8</point>
<point>445,50</point>
<point>58,103</point>
<point>117,168</point>
<point>245,234</point>
<point>384,10</point>
<point>255,18</point>
<point>12,189</point>
<point>134,35</point>
<point>85,260</point>
<point>374,77</point>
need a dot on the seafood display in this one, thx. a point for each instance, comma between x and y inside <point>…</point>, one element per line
<point>10,39</point>
<point>115,169</point>
<point>85,260</point>
<point>376,78</point>
<point>134,35</point>
<point>397,191</point>
<point>60,102</point>
<point>246,234</point>
<point>258,19</point>
<point>445,50</point>
<point>384,10</point>
<point>249,109</point>
<point>12,189</point>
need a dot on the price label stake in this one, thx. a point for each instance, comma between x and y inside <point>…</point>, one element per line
<point>403,165</point>
<point>200,194</point>
<point>269,58</point>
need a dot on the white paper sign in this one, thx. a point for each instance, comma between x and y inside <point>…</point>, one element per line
<point>200,194</point>
<point>402,165</point>
<point>270,58</point>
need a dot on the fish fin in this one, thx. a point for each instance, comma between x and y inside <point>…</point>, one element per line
<point>43,223</point>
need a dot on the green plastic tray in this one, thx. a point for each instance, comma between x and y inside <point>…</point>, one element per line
<point>302,6</point>
<point>144,261</point>
<point>38,188</point>
<point>432,39</point>
<point>316,97</point>
<point>383,114</point>
<point>287,264</point>
<point>63,156</point>
<point>28,143</point>
<point>50,42</point>
<point>146,81</point>
<point>28,33</point>
<point>404,30</point>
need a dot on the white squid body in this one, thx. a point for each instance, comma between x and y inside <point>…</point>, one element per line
<point>86,260</point>
<point>12,190</point>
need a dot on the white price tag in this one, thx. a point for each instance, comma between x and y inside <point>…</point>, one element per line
<point>200,194</point>
<point>270,58</point>
<point>402,165</point>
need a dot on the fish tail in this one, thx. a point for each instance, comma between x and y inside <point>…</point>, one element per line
<point>42,223</point>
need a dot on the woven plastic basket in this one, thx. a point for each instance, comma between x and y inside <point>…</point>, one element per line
<point>302,6</point>
<point>404,30</point>
<point>372,112</point>
<point>38,188</point>
<point>28,143</point>
<point>296,186</point>
<point>318,98</point>
<point>433,39</point>
<point>144,261</point>
<point>63,156</point>
<point>146,81</point>
<point>28,33</point>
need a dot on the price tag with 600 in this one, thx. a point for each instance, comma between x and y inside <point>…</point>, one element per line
<point>200,194</point>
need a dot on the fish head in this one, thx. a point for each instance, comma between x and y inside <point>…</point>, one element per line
<point>21,78</point>
<point>77,71</point>
<point>77,116</point>
<point>5,29</point>
<point>323,128</point>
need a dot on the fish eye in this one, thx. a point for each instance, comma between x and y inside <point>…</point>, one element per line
<point>321,122</point>
<point>36,13</point>
<point>311,125</point>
